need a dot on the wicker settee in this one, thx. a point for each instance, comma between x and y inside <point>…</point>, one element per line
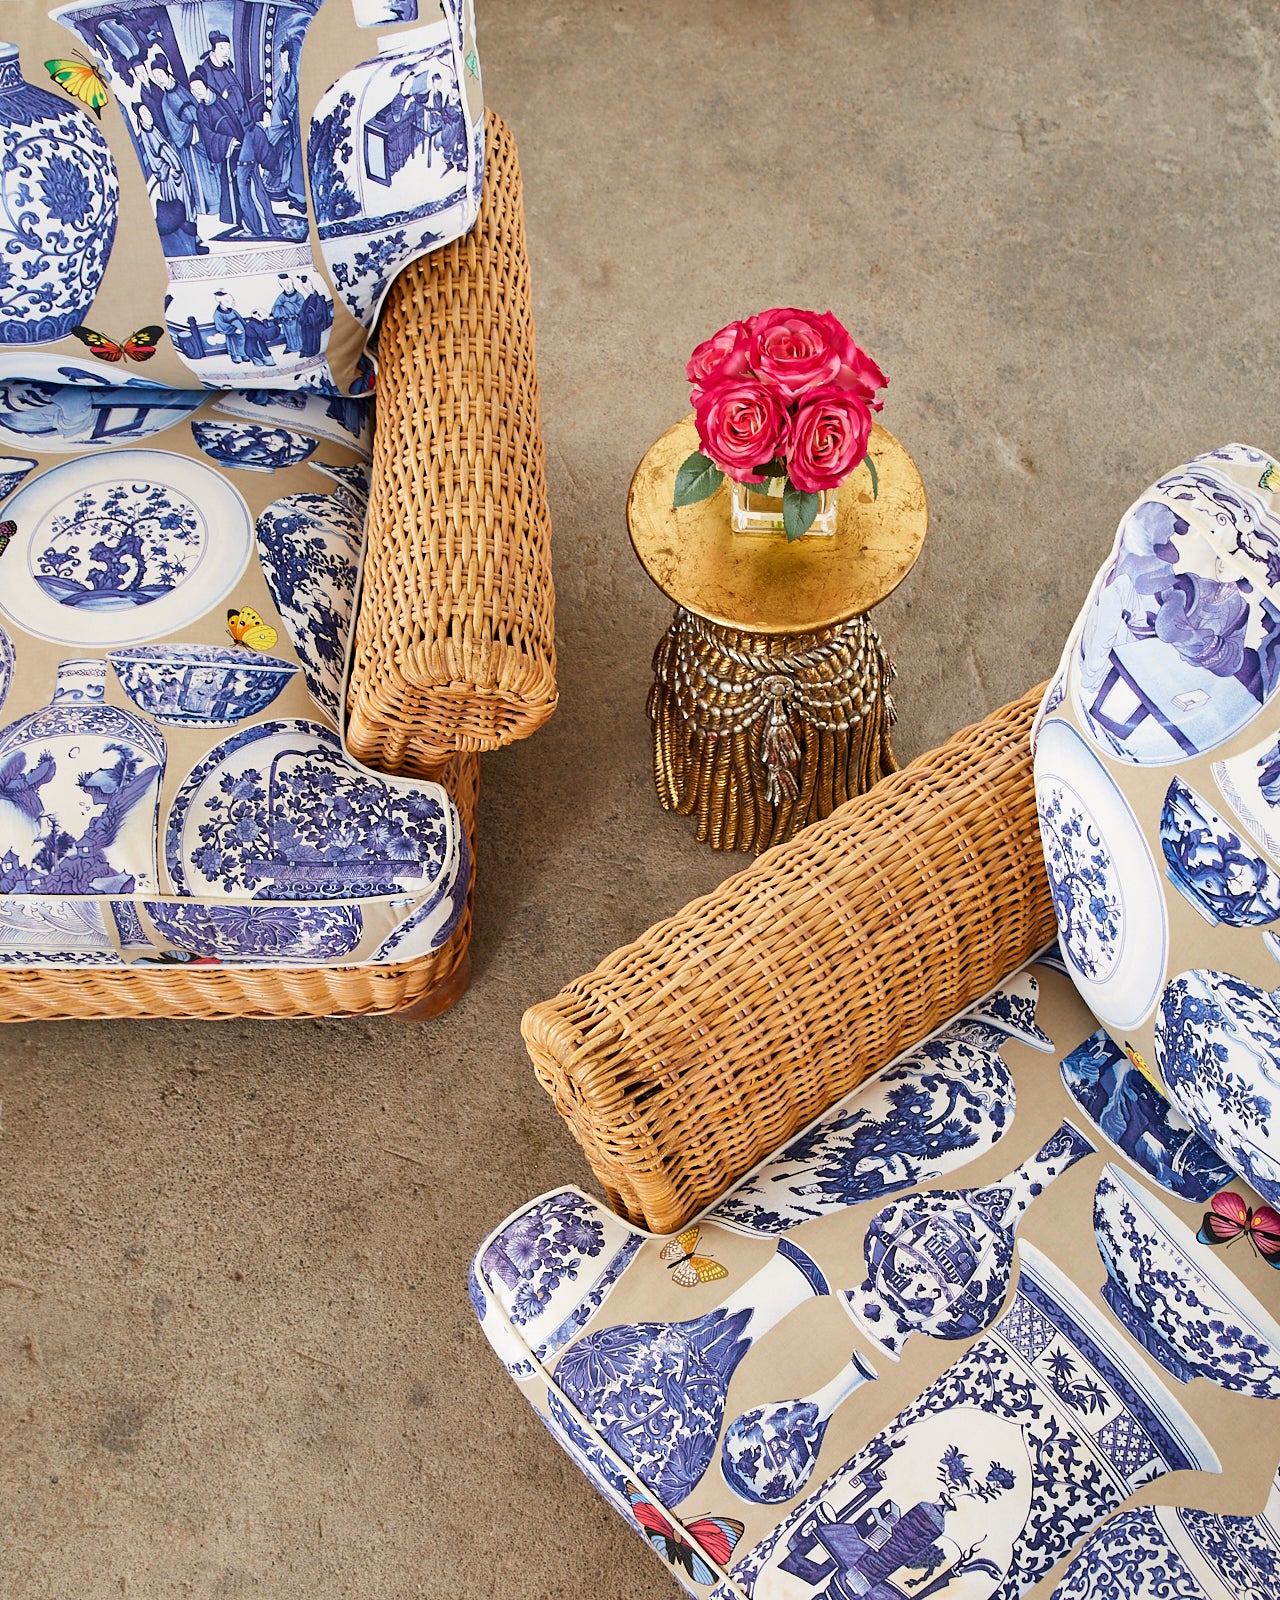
<point>454,642</point>
<point>690,1054</point>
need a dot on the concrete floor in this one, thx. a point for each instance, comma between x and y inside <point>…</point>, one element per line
<point>236,1352</point>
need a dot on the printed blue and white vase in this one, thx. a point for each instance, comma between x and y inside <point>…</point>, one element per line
<point>978,1487</point>
<point>1179,645</point>
<point>79,794</point>
<point>1182,1303</point>
<point>941,1263</point>
<point>655,1391</point>
<point>392,158</point>
<point>309,545</point>
<point>1217,1050</point>
<point>945,1103</point>
<point>551,1268</point>
<point>59,204</point>
<point>210,95</point>
<point>1126,1108</point>
<point>1172,1553</point>
<point>769,1452</point>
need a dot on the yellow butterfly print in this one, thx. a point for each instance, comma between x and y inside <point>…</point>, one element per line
<point>247,627</point>
<point>81,79</point>
<point>1270,478</point>
<point>686,1268</point>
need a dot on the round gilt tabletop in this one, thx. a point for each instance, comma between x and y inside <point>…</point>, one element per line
<point>759,582</point>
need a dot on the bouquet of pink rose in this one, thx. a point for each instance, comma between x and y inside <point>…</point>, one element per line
<point>786,394</point>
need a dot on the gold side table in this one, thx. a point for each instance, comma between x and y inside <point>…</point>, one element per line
<point>770,703</point>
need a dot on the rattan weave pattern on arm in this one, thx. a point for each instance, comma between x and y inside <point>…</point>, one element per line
<point>455,632</point>
<point>688,1055</point>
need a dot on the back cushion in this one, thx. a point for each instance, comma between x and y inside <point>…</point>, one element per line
<point>1158,785</point>
<point>219,194</point>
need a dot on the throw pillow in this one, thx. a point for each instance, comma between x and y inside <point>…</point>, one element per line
<point>219,195</point>
<point>1157,761</point>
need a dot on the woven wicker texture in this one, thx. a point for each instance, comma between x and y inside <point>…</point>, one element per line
<point>687,1056</point>
<point>212,992</point>
<point>757,734</point>
<point>455,634</point>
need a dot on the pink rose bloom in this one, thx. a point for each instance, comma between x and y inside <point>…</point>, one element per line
<point>859,372</point>
<point>724,353</point>
<point>828,437</point>
<point>798,350</point>
<point>741,424</point>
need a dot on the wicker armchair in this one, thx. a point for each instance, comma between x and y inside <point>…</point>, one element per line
<point>454,645</point>
<point>687,1056</point>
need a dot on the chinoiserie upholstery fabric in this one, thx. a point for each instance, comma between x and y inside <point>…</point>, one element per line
<point>250,183</point>
<point>956,1337</point>
<point>202,205</point>
<point>1158,788</point>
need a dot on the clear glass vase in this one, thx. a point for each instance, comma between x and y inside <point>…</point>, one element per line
<point>760,510</point>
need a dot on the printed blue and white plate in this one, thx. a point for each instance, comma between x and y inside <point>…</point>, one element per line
<point>1107,895</point>
<point>119,549</point>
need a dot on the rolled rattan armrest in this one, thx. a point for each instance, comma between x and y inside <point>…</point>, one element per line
<point>455,647</point>
<point>688,1055</point>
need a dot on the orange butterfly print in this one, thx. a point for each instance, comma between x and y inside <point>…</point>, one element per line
<point>686,1268</point>
<point>246,627</point>
<point>140,346</point>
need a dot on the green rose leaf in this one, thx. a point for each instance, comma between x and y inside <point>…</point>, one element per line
<point>875,476</point>
<point>798,511</point>
<point>773,469</point>
<point>697,479</point>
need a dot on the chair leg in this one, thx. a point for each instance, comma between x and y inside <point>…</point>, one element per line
<point>442,997</point>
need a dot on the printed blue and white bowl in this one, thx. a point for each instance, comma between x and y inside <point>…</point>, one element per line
<point>205,685</point>
<point>1179,1301</point>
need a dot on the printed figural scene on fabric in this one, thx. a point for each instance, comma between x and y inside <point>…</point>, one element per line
<point>893,1386</point>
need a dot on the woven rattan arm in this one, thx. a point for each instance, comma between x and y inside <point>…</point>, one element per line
<point>687,1056</point>
<point>455,647</point>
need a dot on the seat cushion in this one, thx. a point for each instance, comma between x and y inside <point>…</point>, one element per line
<point>176,198</point>
<point>929,1346</point>
<point>177,576</point>
<point>1157,768</point>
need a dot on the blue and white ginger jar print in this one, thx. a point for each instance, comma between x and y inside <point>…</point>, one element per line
<point>309,545</point>
<point>1179,643</point>
<point>59,204</point>
<point>79,794</point>
<point>655,1391</point>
